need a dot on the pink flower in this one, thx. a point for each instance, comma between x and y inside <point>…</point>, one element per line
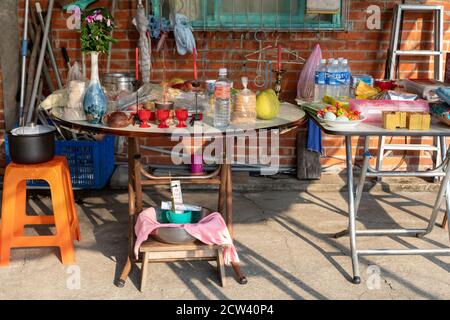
<point>99,17</point>
<point>108,22</point>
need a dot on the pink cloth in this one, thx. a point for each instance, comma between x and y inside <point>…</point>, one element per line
<point>210,230</point>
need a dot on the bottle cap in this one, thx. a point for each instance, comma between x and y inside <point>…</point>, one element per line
<point>335,62</point>
<point>323,61</point>
<point>345,61</point>
<point>223,72</point>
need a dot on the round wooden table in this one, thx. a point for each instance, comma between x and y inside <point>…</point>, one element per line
<point>289,117</point>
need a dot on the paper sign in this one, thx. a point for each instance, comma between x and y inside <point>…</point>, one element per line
<point>177,195</point>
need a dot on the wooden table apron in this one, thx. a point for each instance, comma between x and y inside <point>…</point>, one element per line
<point>291,117</point>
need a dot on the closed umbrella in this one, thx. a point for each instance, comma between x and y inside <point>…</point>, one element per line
<point>141,23</point>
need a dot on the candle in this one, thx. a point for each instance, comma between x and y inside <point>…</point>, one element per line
<point>195,64</point>
<point>280,53</point>
<point>137,65</point>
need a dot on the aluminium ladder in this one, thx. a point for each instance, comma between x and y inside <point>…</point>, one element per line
<point>395,52</point>
<point>396,34</point>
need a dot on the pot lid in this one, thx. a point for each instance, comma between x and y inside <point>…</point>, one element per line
<point>32,130</point>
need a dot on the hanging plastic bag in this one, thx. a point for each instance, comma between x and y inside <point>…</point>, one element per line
<point>305,86</point>
<point>75,73</point>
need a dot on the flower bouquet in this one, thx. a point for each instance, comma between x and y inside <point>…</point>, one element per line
<point>96,30</point>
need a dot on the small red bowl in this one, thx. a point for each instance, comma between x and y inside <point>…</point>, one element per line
<point>383,84</point>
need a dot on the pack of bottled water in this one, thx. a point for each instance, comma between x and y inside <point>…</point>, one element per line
<point>332,79</point>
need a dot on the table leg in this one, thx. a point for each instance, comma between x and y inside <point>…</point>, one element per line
<point>241,279</point>
<point>362,178</point>
<point>351,208</point>
<point>222,189</point>
<point>229,199</point>
<point>132,199</point>
<point>445,222</point>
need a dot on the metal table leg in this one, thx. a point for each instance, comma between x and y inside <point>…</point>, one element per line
<point>362,178</point>
<point>351,209</point>
<point>360,187</point>
<point>445,222</point>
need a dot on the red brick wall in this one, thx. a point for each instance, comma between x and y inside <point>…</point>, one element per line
<point>365,49</point>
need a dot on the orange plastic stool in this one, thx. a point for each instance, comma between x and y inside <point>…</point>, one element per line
<point>14,218</point>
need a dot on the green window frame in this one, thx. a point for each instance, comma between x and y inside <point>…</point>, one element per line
<point>248,21</point>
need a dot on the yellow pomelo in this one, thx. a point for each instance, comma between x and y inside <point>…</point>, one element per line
<point>267,105</point>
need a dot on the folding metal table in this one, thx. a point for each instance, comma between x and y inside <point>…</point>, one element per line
<point>367,130</point>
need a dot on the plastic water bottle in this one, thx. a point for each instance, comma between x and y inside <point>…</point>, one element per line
<point>341,77</point>
<point>222,95</point>
<point>327,87</point>
<point>346,77</point>
<point>333,74</point>
<point>320,81</point>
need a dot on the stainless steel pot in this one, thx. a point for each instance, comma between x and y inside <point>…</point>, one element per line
<point>115,83</point>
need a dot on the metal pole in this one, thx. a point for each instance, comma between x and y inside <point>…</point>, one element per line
<point>362,178</point>
<point>40,61</point>
<point>406,252</point>
<point>24,63</point>
<point>443,147</point>
<point>351,208</point>
<point>49,46</point>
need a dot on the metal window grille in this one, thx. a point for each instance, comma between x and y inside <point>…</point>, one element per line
<point>252,15</point>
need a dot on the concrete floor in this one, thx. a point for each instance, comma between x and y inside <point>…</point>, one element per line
<point>284,240</point>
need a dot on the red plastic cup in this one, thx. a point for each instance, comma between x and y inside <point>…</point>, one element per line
<point>144,117</point>
<point>162,116</point>
<point>182,115</point>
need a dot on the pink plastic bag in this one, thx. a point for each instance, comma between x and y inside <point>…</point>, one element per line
<point>373,109</point>
<point>305,86</point>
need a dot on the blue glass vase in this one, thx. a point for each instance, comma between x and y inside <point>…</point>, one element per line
<point>95,102</point>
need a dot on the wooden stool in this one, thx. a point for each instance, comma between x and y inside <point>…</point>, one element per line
<point>155,251</point>
<point>14,218</point>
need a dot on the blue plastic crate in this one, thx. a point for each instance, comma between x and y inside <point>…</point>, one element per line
<point>91,163</point>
